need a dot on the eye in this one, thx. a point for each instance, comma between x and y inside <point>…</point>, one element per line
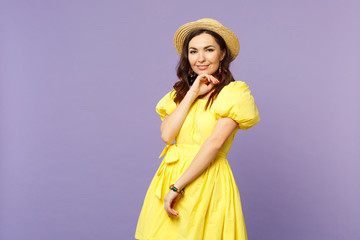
<point>210,50</point>
<point>192,51</point>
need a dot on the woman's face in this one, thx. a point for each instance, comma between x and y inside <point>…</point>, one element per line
<point>204,54</point>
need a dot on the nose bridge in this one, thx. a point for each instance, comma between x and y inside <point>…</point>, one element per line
<point>201,55</point>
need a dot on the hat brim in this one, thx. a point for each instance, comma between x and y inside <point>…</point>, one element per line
<point>229,37</point>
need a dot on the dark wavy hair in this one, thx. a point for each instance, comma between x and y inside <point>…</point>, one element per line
<point>183,68</point>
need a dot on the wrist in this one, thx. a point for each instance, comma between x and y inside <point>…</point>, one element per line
<point>179,185</point>
<point>191,95</point>
<point>178,190</point>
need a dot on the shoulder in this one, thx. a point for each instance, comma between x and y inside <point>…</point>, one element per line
<point>235,86</point>
<point>233,91</point>
<point>166,104</point>
<point>235,101</point>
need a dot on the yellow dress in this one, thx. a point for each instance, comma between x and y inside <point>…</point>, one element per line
<point>210,208</point>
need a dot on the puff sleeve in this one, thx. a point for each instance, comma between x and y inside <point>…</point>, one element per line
<point>166,105</point>
<point>235,101</point>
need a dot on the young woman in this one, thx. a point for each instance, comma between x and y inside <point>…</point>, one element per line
<point>193,195</point>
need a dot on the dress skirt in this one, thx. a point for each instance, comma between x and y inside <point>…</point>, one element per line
<point>210,208</point>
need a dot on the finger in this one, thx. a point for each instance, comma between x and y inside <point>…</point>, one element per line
<point>166,210</point>
<point>208,77</point>
<point>204,78</point>
<point>174,212</point>
<point>208,80</point>
<point>170,213</point>
<point>201,76</point>
<point>214,80</point>
<point>169,210</point>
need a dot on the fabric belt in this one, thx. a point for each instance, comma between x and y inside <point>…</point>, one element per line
<point>172,155</point>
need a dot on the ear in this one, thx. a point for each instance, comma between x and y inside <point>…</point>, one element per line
<point>223,52</point>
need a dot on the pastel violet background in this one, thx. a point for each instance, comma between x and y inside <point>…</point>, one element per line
<point>80,136</point>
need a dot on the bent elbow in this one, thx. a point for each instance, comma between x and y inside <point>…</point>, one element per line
<point>166,139</point>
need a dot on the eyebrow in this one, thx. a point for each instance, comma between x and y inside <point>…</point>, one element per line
<point>209,46</point>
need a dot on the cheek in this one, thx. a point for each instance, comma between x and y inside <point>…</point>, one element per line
<point>214,58</point>
<point>191,60</point>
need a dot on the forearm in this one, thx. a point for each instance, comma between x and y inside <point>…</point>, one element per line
<point>202,160</point>
<point>172,123</point>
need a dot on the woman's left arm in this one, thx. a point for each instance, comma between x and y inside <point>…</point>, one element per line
<point>208,151</point>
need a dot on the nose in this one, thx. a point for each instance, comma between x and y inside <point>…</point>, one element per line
<point>201,57</point>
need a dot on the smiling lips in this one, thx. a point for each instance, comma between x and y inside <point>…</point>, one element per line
<point>202,67</point>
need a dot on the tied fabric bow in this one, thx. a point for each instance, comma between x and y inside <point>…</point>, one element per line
<point>171,156</point>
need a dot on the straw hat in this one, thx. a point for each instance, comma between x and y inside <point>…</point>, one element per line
<point>209,24</point>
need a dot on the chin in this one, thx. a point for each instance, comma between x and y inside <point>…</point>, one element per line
<point>206,72</point>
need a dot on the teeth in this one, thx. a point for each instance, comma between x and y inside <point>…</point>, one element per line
<point>202,67</point>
